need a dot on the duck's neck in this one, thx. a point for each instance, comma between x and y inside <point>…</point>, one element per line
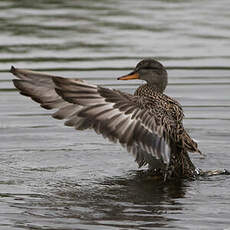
<point>148,90</point>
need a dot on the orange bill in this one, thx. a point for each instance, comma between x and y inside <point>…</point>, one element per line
<point>130,76</point>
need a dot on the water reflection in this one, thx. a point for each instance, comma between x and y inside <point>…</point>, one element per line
<point>128,201</point>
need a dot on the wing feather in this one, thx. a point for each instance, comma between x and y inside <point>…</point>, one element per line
<point>115,115</point>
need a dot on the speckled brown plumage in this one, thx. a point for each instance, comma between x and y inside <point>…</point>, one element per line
<point>169,113</point>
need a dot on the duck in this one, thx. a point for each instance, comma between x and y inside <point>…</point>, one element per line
<point>148,123</point>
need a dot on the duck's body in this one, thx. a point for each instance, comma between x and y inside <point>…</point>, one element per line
<point>148,123</point>
<point>169,114</point>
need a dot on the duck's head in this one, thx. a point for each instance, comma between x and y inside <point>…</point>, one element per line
<point>150,70</point>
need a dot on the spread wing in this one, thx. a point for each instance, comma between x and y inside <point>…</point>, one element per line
<point>114,114</point>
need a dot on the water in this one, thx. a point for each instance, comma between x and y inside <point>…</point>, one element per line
<point>53,177</point>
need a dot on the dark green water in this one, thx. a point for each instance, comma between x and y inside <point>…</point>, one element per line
<point>53,177</point>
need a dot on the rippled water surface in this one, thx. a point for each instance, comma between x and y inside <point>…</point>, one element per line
<point>52,177</point>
